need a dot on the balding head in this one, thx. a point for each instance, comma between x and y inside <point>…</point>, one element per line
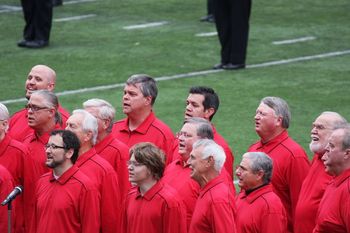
<point>41,77</point>
<point>322,129</point>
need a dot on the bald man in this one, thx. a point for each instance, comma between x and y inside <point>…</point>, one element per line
<point>40,77</point>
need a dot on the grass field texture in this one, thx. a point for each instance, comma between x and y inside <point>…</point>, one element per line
<point>98,51</point>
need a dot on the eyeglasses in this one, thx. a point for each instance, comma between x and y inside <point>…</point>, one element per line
<point>34,108</point>
<point>182,133</point>
<point>53,146</point>
<point>133,163</point>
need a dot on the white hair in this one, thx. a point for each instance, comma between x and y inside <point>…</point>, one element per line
<point>210,148</point>
<point>105,110</point>
<point>89,123</point>
<point>4,114</point>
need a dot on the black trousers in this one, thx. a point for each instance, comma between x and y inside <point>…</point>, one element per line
<point>38,19</point>
<point>232,24</point>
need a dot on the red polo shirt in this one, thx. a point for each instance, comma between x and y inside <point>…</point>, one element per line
<point>35,164</point>
<point>159,211</point>
<point>310,196</point>
<point>261,211</point>
<point>177,175</point>
<point>117,154</point>
<point>334,211</point>
<point>228,165</point>
<point>6,186</point>
<point>103,175</point>
<point>151,130</point>
<point>19,128</point>
<point>69,204</point>
<point>215,209</point>
<point>14,157</point>
<point>290,167</point>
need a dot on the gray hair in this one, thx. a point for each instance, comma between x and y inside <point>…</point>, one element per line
<point>346,136</point>
<point>203,127</point>
<point>105,110</point>
<point>89,123</point>
<point>338,120</point>
<point>4,114</point>
<point>210,148</point>
<point>259,161</point>
<point>280,107</point>
<point>148,85</point>
<point>50,101</point>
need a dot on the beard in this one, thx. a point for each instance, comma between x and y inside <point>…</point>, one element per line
<point>317,148</point>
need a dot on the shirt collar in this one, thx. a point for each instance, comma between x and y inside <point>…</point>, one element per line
<point>65,176</point>
<point>212,183</point>
<point>105,142</point>
<point>338,180</point>
<point>270,145</point>
<point>85,157</point>
<point>151,192</point>
<point>143,127</point>
<point>4,143</point>
<point>251,197</point>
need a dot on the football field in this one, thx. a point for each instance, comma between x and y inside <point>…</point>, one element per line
<point>298,50</point>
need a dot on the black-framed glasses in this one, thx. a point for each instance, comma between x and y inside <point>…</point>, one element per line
<point>54,146</point>
<point>34,108</point>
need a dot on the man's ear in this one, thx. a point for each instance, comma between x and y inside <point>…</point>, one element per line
<point>208,113</point>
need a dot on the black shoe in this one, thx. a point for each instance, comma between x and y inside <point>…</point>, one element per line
<point>230,66</point>
<point>208,18</point>
<point>218,66</point>
<point>57,2</point>
<point>36,44</point>
<point>22,43</point>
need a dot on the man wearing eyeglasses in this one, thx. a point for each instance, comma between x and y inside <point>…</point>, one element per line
<point>66,200</point>
<point>317,179</point>
<point>290,161</point>
<point>43,118</point>
<point>40,77</point>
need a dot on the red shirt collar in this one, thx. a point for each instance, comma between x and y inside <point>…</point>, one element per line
<point>151,192</point>
<point>143,128</point>
<point>212,183</point>
<point>270,145</point>
<point>257,193</point>
<point>4,143</point>
<point>104,143</point>
<point>341,178</point>
<point>85,157</point>
<point>65,176</point>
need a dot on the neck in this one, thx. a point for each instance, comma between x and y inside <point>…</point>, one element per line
<point>210,175</point>
<point>84,148</point>
<point>45,128</point>
<point>102,135</point>
<point>260,185</point>
<point>136,119</point>
<point>144,187</point>
<point>2,136</point>
<point>59,170</point>
<point>269,137</point>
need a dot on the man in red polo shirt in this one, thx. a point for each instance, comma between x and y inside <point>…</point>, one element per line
<point>151,206</point>
<point>204,102</point>
<point>215,209</point>
<point>141,124</point>
<point>317,179</point>
<point>40,77</point>
<point>42,118</point>
<point>334,211</point>
<point>6,186</point>
<point>107,146</point>
<point>290,161</point>
<point>260,209</point>
<point>85,126</point>
<point>13,156</point>
<point>66,200</point>
<point>177,173</point>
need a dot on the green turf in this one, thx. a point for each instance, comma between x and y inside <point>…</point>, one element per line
<point>98,51</point>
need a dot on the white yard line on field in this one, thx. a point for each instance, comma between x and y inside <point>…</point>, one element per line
<point>206,34</point>
<point>77,1</point>
<point>145,25</point>
<point>197,73</point>
<point>79,17</point>
<point>293,41</point>
<point>7,8</point>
